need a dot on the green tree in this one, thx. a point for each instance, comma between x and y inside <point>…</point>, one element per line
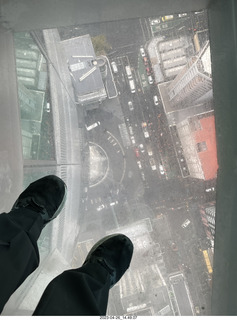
<point>100,44</point>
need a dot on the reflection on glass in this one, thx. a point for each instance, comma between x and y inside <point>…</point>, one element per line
<point>143,90</point>
<point>34,100</point>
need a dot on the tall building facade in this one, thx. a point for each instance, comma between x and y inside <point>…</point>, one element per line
<point>193,85</point>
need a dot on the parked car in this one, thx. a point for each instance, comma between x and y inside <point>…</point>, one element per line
<point>137,152</point>
<point>92,126</point>
<point>161,168</point>
<point>114,67</point>
<point>148,71</point>
<point>152,163</point>
<point>145,131</point>
<point>150,80</point>
<point>149,150</point>
<point>141,146</point>
<point>180,15</point>
<point>48,107</point>
<point>155,21</point>
<point>142,51</point>
<point>133,140</point>
<point>156,101</point>
<point>139,164</point>
<point>186,223</point>
<point>166,18</point>
<point>130,106</point>
<point>130,130</point>
<point>145,60</point>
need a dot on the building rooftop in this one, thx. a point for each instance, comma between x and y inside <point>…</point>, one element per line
<point>207,157</point>
<point>85,71</point>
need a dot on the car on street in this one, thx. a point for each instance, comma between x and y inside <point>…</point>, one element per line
<point>150,79</point>
<point>161,168</point>
<point>48,107</point>
<point>156,101</point>
<point>113,203</point>
<point>136,150</point>
<point>132,86</point>
<point>145,131</point>
<point>114,67</point>
<point>149,150</point>
<point>145,60</point>
<point>210,189</point>
<point>152,163</point>
<point>139,164</point>
<point>101,207</point>
<point>128,72</point>
<point>130,106</point>
<point>166,18</point>
<point>186,223</point>
<point>133,140</point>
<point>155,21</point>
<point>142,51</point>
<point>141,146</point>
<point>148,71</point>
<point>180,15</point>
<point>130,130</point>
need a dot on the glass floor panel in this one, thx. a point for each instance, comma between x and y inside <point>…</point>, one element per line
<point>123,112</point>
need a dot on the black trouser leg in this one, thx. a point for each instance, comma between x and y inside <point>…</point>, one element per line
<point>19,256</point>
<point>82,291</point>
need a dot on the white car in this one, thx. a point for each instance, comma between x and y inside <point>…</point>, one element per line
<point>153,164</point>
<point>113,203</point>
<point>150,80</point>
<point>130,105</point>
<point>94,125</point>
<point>161,168</point>
<point>139,164</point>
<point>182,15</point>
<point>155,21</point>
<point>142,51</point>
<point>156,101</point>
<point>143,176</point>
<point>101,207</point>
<point>186,223</point>
<point>48,107</point>
<point>146,133</point>
<point>133,140</point>
<point>114,67</point>
<point>141,146</point>
<point>210,189</point>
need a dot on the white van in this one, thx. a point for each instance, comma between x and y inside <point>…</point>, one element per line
<point>114,67</point>
<point>156,101</point>
<point>94,125</point>
<point>132,86</point>
<point>129,72</point>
